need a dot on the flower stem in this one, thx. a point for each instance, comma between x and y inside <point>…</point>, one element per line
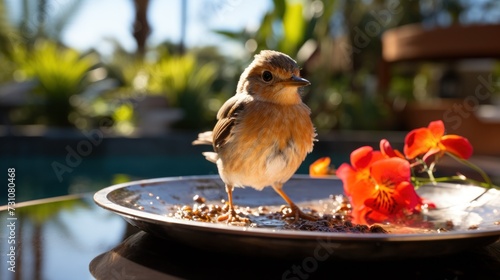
<point>430,174</point>
<point>487,184</point>
<point>483,174</point>
<point>423,180</point>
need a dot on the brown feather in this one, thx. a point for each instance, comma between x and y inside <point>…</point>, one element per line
<point>227,116</point>
<point>264,131</point>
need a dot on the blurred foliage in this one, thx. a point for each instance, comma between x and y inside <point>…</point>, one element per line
<point>336,42</point>
<point>340,95</point>
<point>8,69</point>
<point>5,32</point>
<point>192,87</point>
<point>30,53</point>
<point>6,47</point>
<point>287,26</point>
<point>44,19</point>
<point>186,84</point>
<point>115,88</point>
<point>59,73</point>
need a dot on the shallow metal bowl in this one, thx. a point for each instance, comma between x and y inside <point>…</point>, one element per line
<point>149,205</point>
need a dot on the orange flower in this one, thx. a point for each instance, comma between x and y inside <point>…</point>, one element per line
<point>320,167</point>
<point>358,174</point>
<point>388,151</point>
<point>379,187</point>
<point>431,141</point>
<point>393,191</point>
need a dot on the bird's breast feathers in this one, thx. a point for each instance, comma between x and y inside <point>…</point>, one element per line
<point>267,143</point>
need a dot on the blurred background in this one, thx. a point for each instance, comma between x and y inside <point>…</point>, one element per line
<point>94,93</point>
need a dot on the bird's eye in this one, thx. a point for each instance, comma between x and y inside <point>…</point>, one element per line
<point>267,76</point>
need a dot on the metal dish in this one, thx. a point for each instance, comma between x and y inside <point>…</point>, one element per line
<point>147,204</point>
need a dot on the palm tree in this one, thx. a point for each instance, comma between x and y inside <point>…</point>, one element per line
<point>141,27</point>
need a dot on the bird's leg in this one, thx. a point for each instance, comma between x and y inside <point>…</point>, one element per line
<point>231,215</point>
<point>295,210</point>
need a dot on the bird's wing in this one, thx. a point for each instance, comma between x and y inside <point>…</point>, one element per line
<point>227,118</point>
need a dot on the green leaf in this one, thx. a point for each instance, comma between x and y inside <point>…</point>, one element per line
<point>230,34</point>
<point>293,26</point>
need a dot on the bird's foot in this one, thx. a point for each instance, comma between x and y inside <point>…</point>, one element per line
<point>231,217</point>
<point>293,211</point>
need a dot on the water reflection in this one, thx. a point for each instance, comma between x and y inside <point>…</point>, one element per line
<point>54,238</point>
<point>145,256</point>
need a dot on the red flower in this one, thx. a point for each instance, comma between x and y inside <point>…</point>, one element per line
<point>393,191</point>
<point>379,183</point>
<point>359,173</point>
<point>388,151</point>
<point>379,187</point>
<point>430,141</point>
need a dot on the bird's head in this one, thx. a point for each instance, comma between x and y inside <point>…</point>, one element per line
<point>273,77</point>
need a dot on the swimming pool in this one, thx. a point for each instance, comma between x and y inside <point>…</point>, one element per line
<point>55,166</point>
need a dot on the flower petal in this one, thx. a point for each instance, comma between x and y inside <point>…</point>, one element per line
<point>348,176</point>
<point>362,190</point>
<point>383,202</point>
<point>356,184</point>
<point>361,215</point>
<point>406,196</point>
<point>390,202</point>
<point>390,171</point>
<point>361,157</point>
<point>418,142</point>
<point>388,174</point>
<point>436,128</point>
<point>387,150</point>
<point>368,216</point>
<point>320,167</point>
<point>457,145</point>
<point>432,155</point>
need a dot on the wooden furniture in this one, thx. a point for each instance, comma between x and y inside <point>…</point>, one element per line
<point>415,43</point>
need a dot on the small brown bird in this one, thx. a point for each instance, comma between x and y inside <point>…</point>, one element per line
<point>264,131</point>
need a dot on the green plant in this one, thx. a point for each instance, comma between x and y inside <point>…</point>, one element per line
<point>288,26</point>
<point>187,85</point>
<point>60,74</point>
<point>339,97</point>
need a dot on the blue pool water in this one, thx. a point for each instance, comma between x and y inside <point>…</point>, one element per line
<point>68,163</point>
<point>37,176</point>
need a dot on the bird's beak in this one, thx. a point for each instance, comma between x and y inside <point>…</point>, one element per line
<point>296,82</point>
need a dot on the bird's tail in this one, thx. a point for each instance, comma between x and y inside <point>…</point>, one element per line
<point>206,138</point>
<point>211,156</point>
